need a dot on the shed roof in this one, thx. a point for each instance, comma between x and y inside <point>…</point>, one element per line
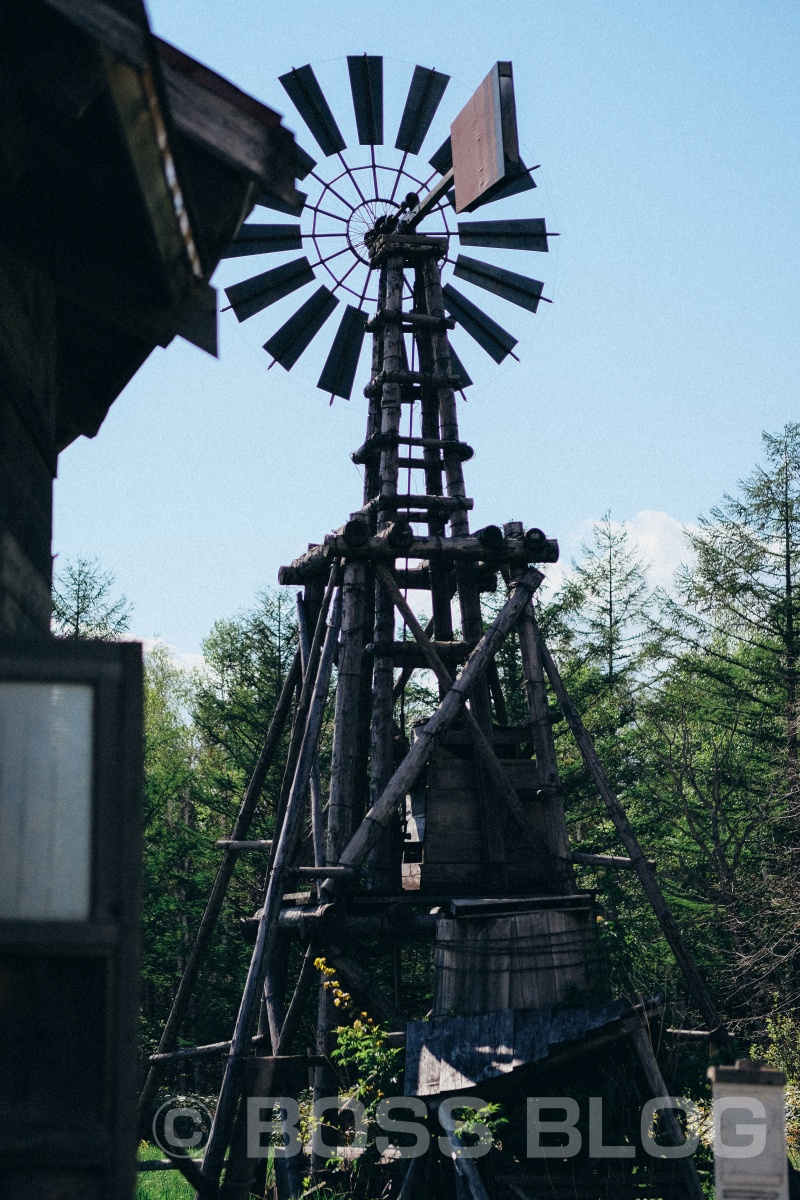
<point>125,168</point>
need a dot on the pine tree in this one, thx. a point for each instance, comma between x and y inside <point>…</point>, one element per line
<point>82,603</point>
<point>740,600</point>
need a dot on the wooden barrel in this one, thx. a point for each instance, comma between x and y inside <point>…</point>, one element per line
<point>532,959</point>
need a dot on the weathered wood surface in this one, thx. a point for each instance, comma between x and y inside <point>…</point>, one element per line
<point>317,830</point>
<point>613,861</point>
<point>225,871</point>
<point>341,808</point>
<point>461,548</point>
<point>381,812</point>
<point>526,960</point>
<point>694,980</point>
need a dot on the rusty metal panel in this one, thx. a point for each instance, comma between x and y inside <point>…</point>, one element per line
<point>527,234</point>
<point>297,333</point>
<point>519,289</point>
<point>251,296</point>
<point>366,85</point>
<point>484,139</point>
<point>305,93</point>
<point>264,239</point>
<point>424,95</point>
<point>495,340</point>
<point>339,371</point>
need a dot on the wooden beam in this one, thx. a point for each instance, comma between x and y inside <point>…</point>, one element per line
<point>613,861</point>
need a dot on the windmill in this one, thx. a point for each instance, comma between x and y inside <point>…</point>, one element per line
<point>347,203</point>
<point>452,832</point>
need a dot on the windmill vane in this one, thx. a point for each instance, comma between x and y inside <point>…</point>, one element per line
<point>347,209</point>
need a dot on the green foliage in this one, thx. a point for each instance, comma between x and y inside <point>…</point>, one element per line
<point>82,603</point>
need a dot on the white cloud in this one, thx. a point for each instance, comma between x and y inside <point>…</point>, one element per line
<point>657,537</point>
<point>661,541</point>
<point>187,661</point>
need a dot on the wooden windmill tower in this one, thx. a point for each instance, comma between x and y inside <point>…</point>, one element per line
<point>456,833</point>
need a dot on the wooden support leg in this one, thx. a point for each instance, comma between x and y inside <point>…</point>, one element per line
<point>544,745</point>
<point>414,1178</point>
<point>317,830</point>
<point>468,594</point>
<point>640,1035</point>
<point>694,980</point>
<point>233,1076</point>
<point>348,686</point>
<point>378,873</point>
<point>213,908</point>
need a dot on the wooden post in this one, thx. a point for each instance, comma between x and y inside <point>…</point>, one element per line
<point>225,871</point>
<point>286,841</point>
<point>384,808</point>
<point>346,720</point>
<point>695,982</point>
<point>468,594</point>
<point>382,739</point>
<point>543,741</point>
<point>317,829</point>
<point>640,1035</point>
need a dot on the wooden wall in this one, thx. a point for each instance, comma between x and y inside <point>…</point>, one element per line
<point>28,393</point>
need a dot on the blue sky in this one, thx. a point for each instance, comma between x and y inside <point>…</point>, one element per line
<point>669,136</point>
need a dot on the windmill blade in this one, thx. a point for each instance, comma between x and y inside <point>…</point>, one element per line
<point>366,85</point>
<point>267,200</point>
<point>296,335</point>
<point>424,96</point>
<point>340,366</point>
<point>251,296</point>
<point>264,239</point>
<point>301,86</point>
<point>527,234</point>
<point>304,163</point>
<point>460,372</point>
<point>442,160</point>
<point>495,340</point>
<point>519,289</point>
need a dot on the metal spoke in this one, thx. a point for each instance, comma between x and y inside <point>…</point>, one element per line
<point>352,178</point>
<point>330,188</point>
<point>400,171</point>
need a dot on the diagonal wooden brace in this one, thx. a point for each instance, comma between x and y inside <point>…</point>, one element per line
<point>369,831</point>
<point>694,980</point>
<point>482,744</point>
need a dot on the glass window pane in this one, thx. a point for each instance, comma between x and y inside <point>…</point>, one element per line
<point>45,801</point>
